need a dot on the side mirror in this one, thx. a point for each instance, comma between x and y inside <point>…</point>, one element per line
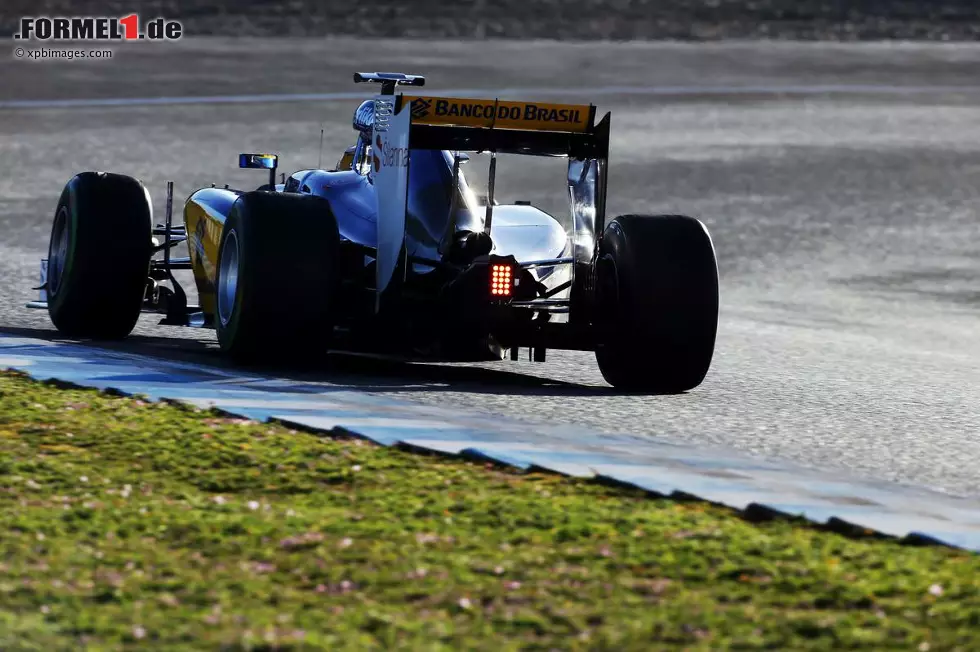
<point>261,162</point>
<point>258,161</point>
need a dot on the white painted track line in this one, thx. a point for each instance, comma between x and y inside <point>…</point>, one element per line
<point>662,91</point>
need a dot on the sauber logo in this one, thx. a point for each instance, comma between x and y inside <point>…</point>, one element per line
<point>378,147</point>
<point>500,113</point>
<point>386,156</point>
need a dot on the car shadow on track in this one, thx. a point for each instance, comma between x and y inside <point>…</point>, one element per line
<point>343,371</point>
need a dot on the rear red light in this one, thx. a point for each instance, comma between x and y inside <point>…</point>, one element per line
<point>501,280</point>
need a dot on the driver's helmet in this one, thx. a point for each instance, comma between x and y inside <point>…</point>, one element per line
<point>364,119</point>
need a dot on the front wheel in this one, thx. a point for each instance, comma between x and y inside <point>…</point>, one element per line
<point>657,292</point>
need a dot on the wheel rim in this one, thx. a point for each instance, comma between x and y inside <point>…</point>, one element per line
<point>58,250</point>
<point>228,277</point>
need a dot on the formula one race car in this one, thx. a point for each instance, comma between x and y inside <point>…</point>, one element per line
<point>393,253</point>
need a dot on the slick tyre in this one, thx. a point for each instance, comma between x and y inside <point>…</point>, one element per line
<point>277,279</point>
<point>99,256</point>
<point>657,291</point>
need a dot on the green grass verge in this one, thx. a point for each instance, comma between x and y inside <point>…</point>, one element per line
<point>127,524</point>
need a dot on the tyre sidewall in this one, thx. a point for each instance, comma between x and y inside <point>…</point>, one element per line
<point>229,336</point>
<point>102,282</point>
<point>659,333</point>
<point>68,202</point>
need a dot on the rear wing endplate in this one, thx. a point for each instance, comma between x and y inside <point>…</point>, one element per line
<point>389,162</point>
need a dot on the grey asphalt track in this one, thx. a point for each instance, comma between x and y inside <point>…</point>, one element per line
<point>846,222</point>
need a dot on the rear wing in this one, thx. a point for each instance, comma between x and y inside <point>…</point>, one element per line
<point>411,122</point>
<point>506,127</point>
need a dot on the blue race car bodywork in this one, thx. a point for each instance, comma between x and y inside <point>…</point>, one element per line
<point>446,231</point>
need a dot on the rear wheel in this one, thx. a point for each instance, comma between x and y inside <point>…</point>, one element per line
<point>99,255</point>
<point>657,284</point>
<point>277,278</point>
